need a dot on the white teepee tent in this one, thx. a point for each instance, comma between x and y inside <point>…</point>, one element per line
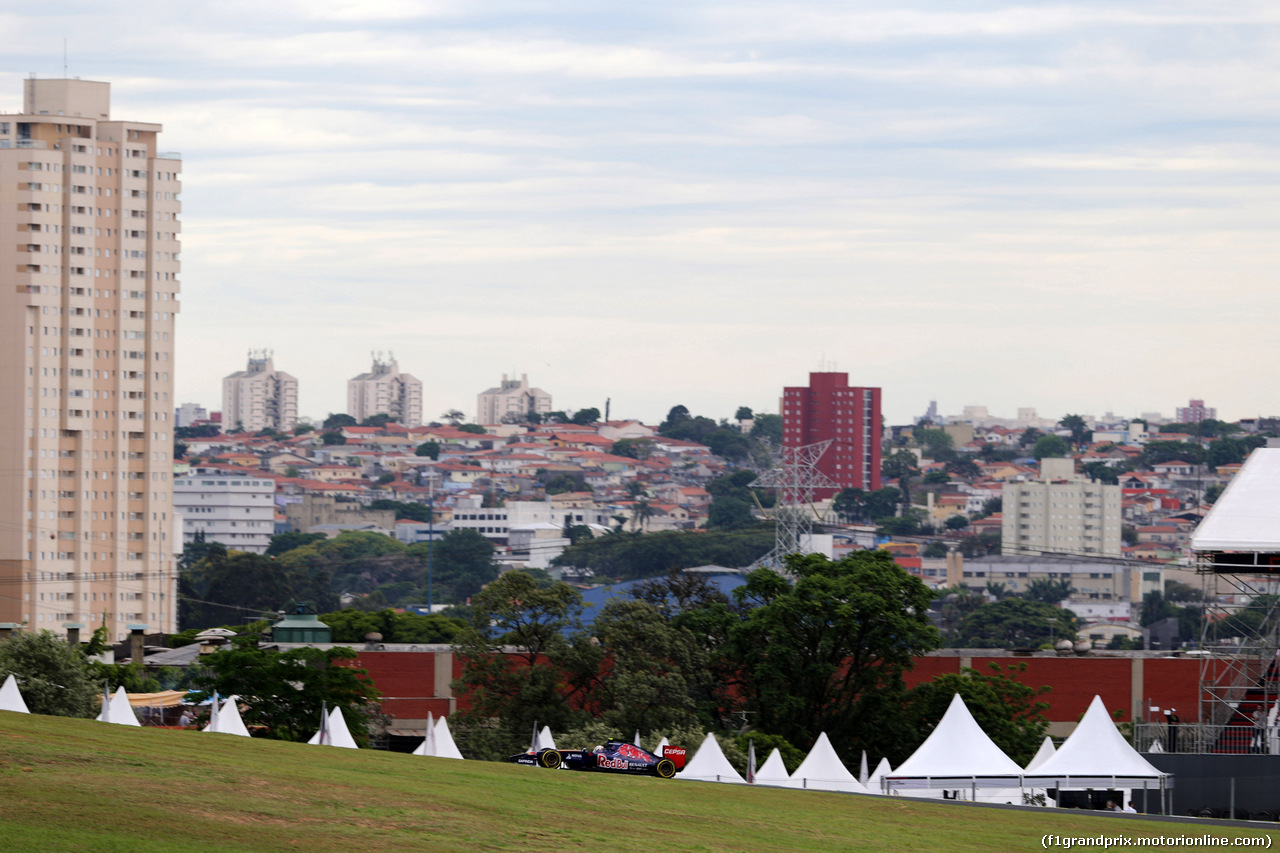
<point>1043,754</point>
<point>336,732</point>
<point>545,740</point>
<point>773,771</point>
<point>863,773</point>
<point>10,698</point>
<point>118,710</point>
<point>882,770</point>
<point>957,754</point>
<point>662,744</point>
<point>428,745</point>
<point>1096,754</point>
<point>822,770</point>
<point>227,720</point>
<point>445,747</point>
<point>710,765</point>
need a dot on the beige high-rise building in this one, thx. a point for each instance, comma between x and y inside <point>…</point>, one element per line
<point>260,397</point>
<point>1061,513</point>
<point>513,398</point>
<point>89,267</point>
<point>384,390</point>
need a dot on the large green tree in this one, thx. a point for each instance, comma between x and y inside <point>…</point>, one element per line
<point>285,691</point>
<point>815,647</point>
<point>53,677</point>
<point>1015,623</point>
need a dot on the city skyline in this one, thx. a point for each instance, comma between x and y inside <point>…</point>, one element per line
<point>700,204</point>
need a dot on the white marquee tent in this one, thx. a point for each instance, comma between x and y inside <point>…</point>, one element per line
<point>1097,755</point>
<point>545,740</point>
<point>710,765</point>
<point>10,697</point>
<point>445,747</point>
<point>957,754</point>
<point>335,732</point>
<point>882,770</point>
<point>428,745</point>
<point>118,710</point>
<point>1043,754</point>
<point>773,771</point>
<point>822,770</point>
<point>227,720</point>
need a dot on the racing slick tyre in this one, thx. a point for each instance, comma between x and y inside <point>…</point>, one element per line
<point>549,759</point>
<point>665,768</point>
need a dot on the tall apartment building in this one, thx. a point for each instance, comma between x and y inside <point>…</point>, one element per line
<point>189,413</point>
<point>830,408</point>
<point>1061,513</point>
<point>513,397</point>
<point>89,209</point>
<point>260,397</point>
<point>235,508</point>
<point>1194,412</point>
<point>384,390</point>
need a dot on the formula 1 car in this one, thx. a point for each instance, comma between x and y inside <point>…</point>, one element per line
<point>612,757</point>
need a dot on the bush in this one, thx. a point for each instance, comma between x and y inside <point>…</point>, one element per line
<point>54,678</point>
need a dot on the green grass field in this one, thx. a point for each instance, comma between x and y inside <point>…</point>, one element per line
<point>82,785</point>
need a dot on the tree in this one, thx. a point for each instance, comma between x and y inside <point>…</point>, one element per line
<point>303,429</point>
<point>632,448</point>
<point>901,466</point>
<point>1156,452</point>
<point>1080,432</point>
<point>743,414</point>
<point>583,417</point>
<point>934,550</point>
<point>1009,711</point>
<point>331,438</point>
<point>956,522</point>
<point>814,653</point>
<point>850,505</point>
<point>768,427</point>
<point>675,416</point>
<point>54,678</point>
<point>1029,437</point>
<point>729,513</point>
<point>428,449</point>
<point>285,691</point>
<point>1048,591</point>
<point>351,626</point>
<point>1212,492</point>
<point>474,429</point>
<point>1015,623</point>
<point>379,420</point>
<point>454,416</point>
<point>338,421</point>
<point>516,656</point>
<point>882,503</point>
<point>1050,446</point>
<point>287,541</point>
<point>934,441</point>
<point>463,562</point>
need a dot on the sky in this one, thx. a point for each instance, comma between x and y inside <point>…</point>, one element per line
<point>1071,207</point>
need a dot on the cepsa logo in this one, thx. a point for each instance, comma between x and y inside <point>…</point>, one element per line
<point>612,763</point>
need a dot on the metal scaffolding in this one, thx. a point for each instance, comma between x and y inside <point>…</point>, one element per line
<point>796,477</point>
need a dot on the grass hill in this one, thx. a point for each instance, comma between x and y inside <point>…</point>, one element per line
<point>81,785</point>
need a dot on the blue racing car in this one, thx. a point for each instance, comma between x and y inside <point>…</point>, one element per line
<point>612,757</point>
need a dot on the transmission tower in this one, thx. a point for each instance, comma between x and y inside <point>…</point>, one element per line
<point>796,477</point>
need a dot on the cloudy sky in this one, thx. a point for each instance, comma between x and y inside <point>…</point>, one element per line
<point>1066,206</point>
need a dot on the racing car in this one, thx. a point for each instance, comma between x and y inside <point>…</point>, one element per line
<point>613,757</point>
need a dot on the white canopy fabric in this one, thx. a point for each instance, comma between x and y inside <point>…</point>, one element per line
<point>428,745</point>
<point>1043,754</point>
<point>1096,754</point>
<point>339,734</point>
<point>662,744</point>
<point>1245,517</point>
<point>863,773</point>
<point>882,770</point>
<point>822,770</point>
<point>773,771</point>
<point>118,710</point>
<point>227,721</point>
<point>545,740</point>
<point>11,698</point>
<point>445,747</point>
<point>957,752</point>
<point>710,765</point>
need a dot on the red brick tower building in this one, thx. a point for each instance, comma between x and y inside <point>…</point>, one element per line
<point>829,408</point>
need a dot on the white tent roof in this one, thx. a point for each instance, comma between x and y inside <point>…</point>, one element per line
<point>957,748</point>
<point>1043,754</point>
<point>662,744</point>
<point>822,770</point>
<point>710,765</point>
<point>445,747</point>
<point>428,745</point>
<point>773,771</point>
<point>882,769</point>
<point>118,710</point>
<point>339,734</point>
<point>11,698</point>
<point>1095,754</point>
<point>227,721</point>
<point>1246,517</point>
<point>545,740</point>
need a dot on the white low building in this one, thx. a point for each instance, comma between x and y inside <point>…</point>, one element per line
<point>236,509</point>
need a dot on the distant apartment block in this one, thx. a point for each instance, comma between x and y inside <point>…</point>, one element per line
<point>830,408</point>
<point>260,397</point>
<point>513,397</point>
<point>384,390</point>
<point>189,413</point>
<point>235,509</point>
<point>1061,513</point>
<point>1194,412</point>
<point>90,216</point>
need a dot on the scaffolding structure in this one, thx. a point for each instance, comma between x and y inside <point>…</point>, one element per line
<point>795,477</point>
<point>1240,648</point>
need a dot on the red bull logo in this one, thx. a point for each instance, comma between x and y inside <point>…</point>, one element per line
<point>612,763</point>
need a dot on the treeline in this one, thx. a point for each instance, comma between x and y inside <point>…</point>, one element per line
<point>825,649</point>
<point>630,556</point>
